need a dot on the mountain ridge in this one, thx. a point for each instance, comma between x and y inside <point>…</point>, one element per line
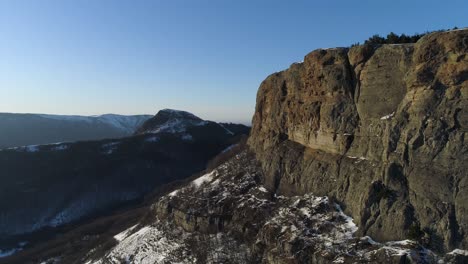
<point>31,129</point>
<point>65,183</point>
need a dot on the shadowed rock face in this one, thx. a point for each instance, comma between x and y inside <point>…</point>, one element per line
<point>381,129</point>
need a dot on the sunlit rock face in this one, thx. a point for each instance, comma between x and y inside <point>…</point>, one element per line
<point>380,128</point>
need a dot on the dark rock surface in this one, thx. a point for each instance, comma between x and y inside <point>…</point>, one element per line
<point>382,129</point>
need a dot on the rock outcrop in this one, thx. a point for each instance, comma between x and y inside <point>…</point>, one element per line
<point>381,129</point>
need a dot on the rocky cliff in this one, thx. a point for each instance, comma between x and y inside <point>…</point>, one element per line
<point>381,129</point>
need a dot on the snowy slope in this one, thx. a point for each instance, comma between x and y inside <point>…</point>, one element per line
<point>125,123</point>
<point>35,129</point>
<point>171,121</point>
<point>259,227</point>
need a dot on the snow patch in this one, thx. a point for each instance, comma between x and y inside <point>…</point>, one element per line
<point>396,251</point>
<point>124,123</point>
<point>228,148</point>
<point>148,245</point>
<point>122,235</point>
<point>406,242</point>
<point>305,212</point>
<point>60,147</point>
<point>339,260</point>
<point>109,148</point>
<point>369,240</point>
<point>358,159</point>
<point>459,252</point>
<point>389,116</point>
<point>178,122</point>
<point>7,253</point>
<point>349,224</point>
<point>174,193</point>
<point>176,126</point>
<point>205,178</point>
<point>187,137</point>
<point>152,139</point>
<point>30,148</point>
<point>216,182</point>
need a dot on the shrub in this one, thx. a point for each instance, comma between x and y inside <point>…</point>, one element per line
<point>393,38</point>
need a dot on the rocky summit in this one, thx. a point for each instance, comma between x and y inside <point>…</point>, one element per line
<point>356,155</point>
<point>170,120</point>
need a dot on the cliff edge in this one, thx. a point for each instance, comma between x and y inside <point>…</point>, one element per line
<point>381,129</point>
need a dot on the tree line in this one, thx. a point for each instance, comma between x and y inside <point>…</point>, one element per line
<point>393,38</point>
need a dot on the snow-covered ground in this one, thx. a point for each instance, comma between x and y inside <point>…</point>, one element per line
<point>162,243</point>
<point>109,148</point>
<point>205,178</point>
<point>176,125</point>
<point>59,146</point>
<point>283,228</point>
<point>147,245</point>
<point>8,252</point>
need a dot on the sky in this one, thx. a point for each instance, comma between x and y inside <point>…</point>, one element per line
<point>89,57</point>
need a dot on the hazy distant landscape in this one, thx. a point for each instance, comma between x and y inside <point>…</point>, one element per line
<point>35,129</point>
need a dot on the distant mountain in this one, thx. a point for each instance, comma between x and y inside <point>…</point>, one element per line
<point>67,182</point>
<point>177,121</point>
<point>27,129</point>
<point>170,120</point>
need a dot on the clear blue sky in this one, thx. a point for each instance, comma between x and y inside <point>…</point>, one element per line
<point>208,57</point>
